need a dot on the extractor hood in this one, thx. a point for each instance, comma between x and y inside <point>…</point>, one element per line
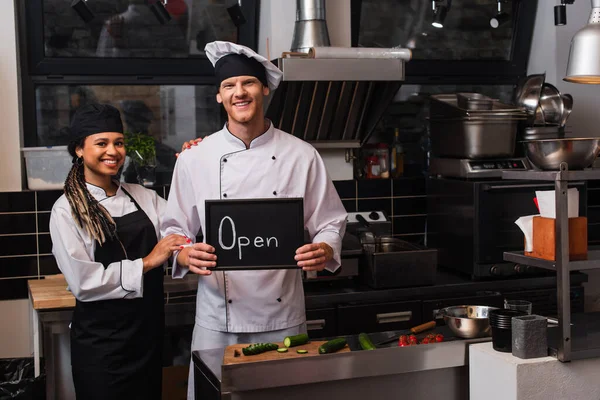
<point>330,101</point>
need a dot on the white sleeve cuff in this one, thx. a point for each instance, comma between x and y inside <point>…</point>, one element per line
<point>333,239</point>
<point>132,277</point>
<point>178,271</point>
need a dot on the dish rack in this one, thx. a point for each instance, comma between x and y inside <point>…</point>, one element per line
<point>567,346</point>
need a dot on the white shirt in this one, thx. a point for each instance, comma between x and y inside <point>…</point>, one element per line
<point>74,249</point>
<point>276,165</point>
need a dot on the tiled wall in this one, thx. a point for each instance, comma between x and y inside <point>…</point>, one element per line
<point>26,248</point>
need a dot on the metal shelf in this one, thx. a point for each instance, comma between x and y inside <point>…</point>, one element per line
<point>593,261</point>
<point>563,347</point>
<point>588,174</point>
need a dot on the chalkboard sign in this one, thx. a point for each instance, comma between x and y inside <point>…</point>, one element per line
<point>255,233</point>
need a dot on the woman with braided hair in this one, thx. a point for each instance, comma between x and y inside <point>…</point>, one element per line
<point>105,237</point>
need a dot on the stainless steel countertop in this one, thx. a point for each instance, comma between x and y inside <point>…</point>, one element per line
<point>350,365</point>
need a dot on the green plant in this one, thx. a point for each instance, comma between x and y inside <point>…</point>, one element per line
<point>140,148</point>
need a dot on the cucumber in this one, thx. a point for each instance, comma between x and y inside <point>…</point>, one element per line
<point>365,342</point>
<point>296,340</point>
<point>301,351</point>
<point>282,350</point>
<point>332,346</point>
<point>257,348</point>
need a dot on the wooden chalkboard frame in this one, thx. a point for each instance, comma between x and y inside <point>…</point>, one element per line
<point>296,205</point>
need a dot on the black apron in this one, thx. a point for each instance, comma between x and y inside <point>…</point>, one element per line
<point>116,345</point>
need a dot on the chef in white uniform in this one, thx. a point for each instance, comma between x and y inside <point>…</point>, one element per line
<point>250,158</point>
<point>106,241</point>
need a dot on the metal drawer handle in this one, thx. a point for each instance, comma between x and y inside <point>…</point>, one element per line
<point>388,318</point>
<point>315,324</point>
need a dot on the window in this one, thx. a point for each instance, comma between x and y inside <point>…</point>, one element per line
<point>156,74</point>
<point>466,50</point>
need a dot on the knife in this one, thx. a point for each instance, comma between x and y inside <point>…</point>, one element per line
<point>414,330</point>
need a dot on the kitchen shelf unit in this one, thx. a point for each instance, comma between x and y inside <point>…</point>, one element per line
<point>563,348</point>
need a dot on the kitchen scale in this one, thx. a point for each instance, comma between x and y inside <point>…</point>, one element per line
<point>466,168</point>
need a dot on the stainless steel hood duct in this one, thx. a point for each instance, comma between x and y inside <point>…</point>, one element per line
<point>310,29</point>
<point>332,102</point>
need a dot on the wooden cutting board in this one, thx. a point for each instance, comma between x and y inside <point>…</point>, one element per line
<point>312,347</point>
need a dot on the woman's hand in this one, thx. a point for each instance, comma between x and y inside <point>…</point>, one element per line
<point>313,256</point>
<point>163,250</point>
<point>188,145</point>
<point>198,258</point>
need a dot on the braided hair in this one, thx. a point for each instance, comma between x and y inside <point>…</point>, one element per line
<point>87,212</point>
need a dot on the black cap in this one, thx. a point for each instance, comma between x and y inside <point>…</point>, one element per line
<point>239,65</point>
<point>91,119</point>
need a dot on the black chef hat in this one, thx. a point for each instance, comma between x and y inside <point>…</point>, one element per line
<point>91,119</point>
<point>239,65</point>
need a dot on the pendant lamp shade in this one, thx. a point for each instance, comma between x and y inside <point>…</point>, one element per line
<point>584,54</point>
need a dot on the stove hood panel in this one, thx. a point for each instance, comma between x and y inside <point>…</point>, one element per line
<point>334,102</point>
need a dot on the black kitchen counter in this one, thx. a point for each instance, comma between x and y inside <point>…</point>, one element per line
<point>447,284</point>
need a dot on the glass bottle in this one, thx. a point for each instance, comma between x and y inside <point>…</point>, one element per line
<point>397,155</point>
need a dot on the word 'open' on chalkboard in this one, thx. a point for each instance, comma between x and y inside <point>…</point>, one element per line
<point>242,241</point>
<point>255,233</point>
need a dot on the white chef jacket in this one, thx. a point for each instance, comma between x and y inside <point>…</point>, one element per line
<point>74,249</point>
<point>276,165</point>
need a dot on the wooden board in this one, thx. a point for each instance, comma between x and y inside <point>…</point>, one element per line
<point>312,347</point>
<point>50,293</point>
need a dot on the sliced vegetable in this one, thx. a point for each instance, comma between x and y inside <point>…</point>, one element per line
<point>365,342</point>
<point>332,346</point>
<point>301,351</point>
<point>296,340</point>
<point>282,350</point>
<point>258,348</point>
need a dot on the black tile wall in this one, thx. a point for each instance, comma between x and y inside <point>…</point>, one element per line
<point>46,199</point>
<point>17,223</point>
<point>43,222</point>
<point>11,267</point>
<point>346,189</point>
<point>26,246</point>
<point>17,201</point>
<point>45,243</point>
<point>18,245</point>
<point>374,188</point>
<point>48,265</point>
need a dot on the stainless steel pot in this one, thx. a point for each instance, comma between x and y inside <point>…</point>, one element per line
<point>473,138</point>
<point>467,321</point>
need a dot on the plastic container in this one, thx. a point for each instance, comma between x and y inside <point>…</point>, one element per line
<point>383,154</point>
<point>47,167</point>
<point>373,168</point>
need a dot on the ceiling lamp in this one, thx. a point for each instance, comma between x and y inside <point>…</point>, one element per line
<point>500,18</point>
<point>440,9</point>
<point>160,12</point>
<point>83,10</point>
<point>584,54</point>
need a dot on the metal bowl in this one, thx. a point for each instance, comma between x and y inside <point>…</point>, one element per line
<point>468,322</point>
<point>551,104</point>
<point>548,154</point>
<point>528,93</point>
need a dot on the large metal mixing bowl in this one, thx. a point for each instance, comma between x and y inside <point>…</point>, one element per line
<point>548,154</point>
<point>468,322</point>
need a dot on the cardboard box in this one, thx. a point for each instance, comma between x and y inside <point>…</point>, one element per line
<point>544,241</point>
<point>175,382</point>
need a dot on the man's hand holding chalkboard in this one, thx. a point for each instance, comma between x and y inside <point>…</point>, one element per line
<point>313,256</point>
<point>197,257</point>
